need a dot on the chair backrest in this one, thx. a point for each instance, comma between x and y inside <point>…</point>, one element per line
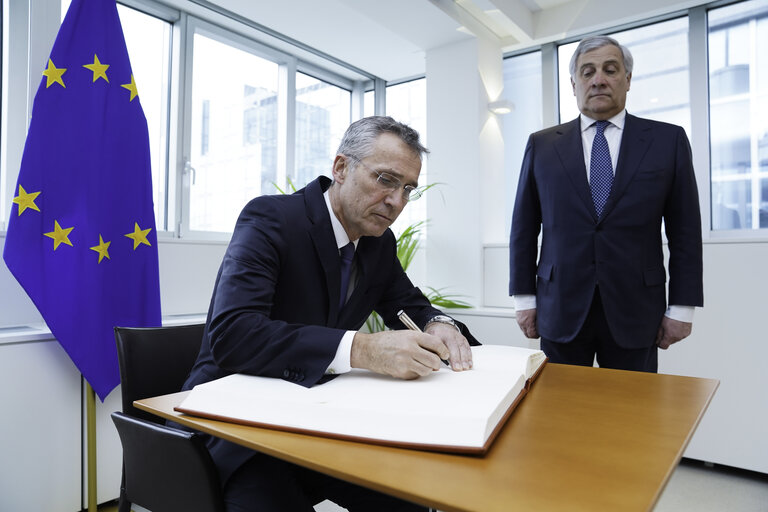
<point>155,361</point>
<point>166,469</point>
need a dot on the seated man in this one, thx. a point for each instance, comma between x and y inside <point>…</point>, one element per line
<point>286,306</point>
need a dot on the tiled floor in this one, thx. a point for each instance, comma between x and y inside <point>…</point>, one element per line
<point>694,487</point>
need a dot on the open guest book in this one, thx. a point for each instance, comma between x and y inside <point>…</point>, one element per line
<point>445,411</point>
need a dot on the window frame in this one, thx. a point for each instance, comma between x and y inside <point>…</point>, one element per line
<point>288,66</point>
<point>185,172</point>
<point>173,17</point>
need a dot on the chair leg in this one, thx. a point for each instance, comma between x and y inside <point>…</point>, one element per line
<point>123,504</point>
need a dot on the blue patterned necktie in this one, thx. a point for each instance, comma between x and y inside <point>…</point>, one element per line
<point>600,168</point>
<point>346,254</point>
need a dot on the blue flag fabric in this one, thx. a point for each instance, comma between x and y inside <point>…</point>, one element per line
<point>81,237</point>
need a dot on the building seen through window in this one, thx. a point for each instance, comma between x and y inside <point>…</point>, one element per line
<point>738,100</point>
<point>322,117</point>
<point>234,132</point>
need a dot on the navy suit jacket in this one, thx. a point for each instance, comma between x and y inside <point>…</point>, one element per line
<point>274,310</point>
<point>619,253</point>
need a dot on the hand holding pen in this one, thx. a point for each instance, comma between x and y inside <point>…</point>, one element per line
<point>412,326</point>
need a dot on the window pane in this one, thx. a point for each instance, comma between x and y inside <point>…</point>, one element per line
<point>322,116</point>
<point>738,100</point>
<point>368,104</point>
<point>148,40</point>
<point>522,86</point>
<point>660,54</point>
<point>407,103</point>
<point>234,132</point>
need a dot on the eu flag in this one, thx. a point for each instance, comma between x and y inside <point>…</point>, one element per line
<point>81,238</point>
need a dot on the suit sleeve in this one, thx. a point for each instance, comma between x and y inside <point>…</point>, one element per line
<point>682,220</point>
<point>243,336</point>
<point>526,226</point>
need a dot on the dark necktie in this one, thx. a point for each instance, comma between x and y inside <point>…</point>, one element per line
<point>600,168</point>
<point>346,254</point>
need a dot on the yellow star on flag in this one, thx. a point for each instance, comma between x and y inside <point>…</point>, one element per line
<point>139,236</point>
<point>102,249</point>
<point>53,74</point>
<point>25,200</point>
<point>60,235</point>
<point>131,87</point>
<point>99,69</point>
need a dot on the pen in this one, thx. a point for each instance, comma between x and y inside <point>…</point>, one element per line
<point>412,326</point>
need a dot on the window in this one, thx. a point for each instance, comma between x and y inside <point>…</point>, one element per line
<point>322,117</point>
<point>407,103</point>
<point>659,88</point>
<point>148,40</point>
<point>3,60</point>
<point>738,102</point>
<point>368,103</point>
<point>233,154</point>
<point>523,87</point>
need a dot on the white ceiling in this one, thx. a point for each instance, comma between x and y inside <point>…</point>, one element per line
<point>389,38</point>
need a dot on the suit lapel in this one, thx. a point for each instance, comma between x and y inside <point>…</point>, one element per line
<point>635,141</point>
<point>570,151</point>
<point>324,241</point>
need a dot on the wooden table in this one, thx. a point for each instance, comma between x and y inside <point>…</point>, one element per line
<point>583,439</point>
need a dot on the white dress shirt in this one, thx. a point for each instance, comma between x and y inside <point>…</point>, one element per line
<point>341,362</point>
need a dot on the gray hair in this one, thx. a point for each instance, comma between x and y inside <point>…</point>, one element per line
<point>360,137</point>
<point>593,43</point>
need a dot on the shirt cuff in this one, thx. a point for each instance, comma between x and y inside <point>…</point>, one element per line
<point>524,302</point>
<point>681,313</point>
<point>342,361</point>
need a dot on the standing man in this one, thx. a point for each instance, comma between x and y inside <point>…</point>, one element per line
<point>598,189</point>
<point>299,278</point>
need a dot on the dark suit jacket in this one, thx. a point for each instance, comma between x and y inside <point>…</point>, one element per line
<point>274,310</point>
<point>620,253</point>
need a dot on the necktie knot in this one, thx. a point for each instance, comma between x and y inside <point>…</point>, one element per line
<point>346,253</point>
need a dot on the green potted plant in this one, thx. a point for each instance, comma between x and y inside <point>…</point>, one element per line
<point>407,245</point>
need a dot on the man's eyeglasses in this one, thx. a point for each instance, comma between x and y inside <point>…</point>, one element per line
<point>389,182</point>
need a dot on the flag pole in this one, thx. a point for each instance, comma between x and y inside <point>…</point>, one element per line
<point>90,414</point>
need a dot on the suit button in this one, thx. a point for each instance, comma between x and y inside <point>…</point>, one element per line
<point>286,374</point>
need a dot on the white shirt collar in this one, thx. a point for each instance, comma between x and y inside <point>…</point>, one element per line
<point>617,120</point>
<point>342,238</point>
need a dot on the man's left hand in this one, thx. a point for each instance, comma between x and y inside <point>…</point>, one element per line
<point>461,355</point>
<point>671,331</point>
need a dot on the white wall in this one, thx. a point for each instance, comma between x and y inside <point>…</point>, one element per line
<point>40,389</point>
<point>467,155</point>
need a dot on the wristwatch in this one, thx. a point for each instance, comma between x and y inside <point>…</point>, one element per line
<point>442,319</point>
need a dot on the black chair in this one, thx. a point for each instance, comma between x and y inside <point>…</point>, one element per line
<point>164,469</point>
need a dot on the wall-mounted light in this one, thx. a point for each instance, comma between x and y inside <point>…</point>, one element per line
<point>501,107</point>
